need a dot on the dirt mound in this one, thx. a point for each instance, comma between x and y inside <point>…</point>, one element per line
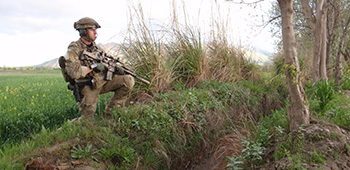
<point>57,157</point>
<point>139,98</point>
<point>325,146</point>
<point>43,164</point>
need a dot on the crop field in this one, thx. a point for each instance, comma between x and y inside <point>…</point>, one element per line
<point>31,101</point>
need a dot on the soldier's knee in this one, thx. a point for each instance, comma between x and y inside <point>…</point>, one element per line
<point>129,82</point>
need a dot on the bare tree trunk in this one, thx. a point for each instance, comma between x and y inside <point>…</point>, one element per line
<point>318,25</point>
<point>338,65</point>
<point>332,23</point>
<point>323,48</point>
<point>298,111</point>
<point>322,8</point>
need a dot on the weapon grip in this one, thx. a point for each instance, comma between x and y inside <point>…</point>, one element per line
<point>76,93</point>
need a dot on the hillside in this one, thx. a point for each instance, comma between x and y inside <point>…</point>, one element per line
<point>174,130</point>
<point>215,125</point>
<point>51,64</point>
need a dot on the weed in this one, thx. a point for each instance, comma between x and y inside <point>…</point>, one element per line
<point>253,152</point>
<point>323,92</point>
<point>318,158</point>
<point>235,163</point>
<point>250,156</point>
<point>79,152</point>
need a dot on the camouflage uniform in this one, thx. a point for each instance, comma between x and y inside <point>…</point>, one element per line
<point>75,68</point>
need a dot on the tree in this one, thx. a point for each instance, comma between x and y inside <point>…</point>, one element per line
<point>298,111</point>
<point>318,24</point>
<point>340,49</point>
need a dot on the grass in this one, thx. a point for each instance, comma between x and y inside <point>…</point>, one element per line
<point>166,134</point>
<point>30,102</point>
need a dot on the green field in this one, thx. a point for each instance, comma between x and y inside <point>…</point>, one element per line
<point>31,100</point>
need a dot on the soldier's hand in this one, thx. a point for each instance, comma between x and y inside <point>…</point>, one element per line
<point>98,67</point>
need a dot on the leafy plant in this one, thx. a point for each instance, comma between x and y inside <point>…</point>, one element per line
<point>235,163</point>
<point>253,151</point>
<point>79,152</point>
<point>323,92</point>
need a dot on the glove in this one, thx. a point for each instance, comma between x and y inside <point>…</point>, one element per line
<point>119,71</point>
<point>98,67</point>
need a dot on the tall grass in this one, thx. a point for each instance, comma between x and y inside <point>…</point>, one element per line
<point>178,54</point>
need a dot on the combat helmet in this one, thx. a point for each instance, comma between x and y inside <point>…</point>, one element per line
<point>86,22</point>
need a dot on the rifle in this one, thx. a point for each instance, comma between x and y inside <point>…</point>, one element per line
<point>111,63</point>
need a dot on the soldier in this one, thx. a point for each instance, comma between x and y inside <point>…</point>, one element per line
<point>76,69</point>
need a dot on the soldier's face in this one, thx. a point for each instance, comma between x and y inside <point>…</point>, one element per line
<point>92,34</point>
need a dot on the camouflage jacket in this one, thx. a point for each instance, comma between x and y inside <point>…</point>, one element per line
<point>77,68</point>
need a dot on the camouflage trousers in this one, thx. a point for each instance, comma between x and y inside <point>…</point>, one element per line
<point>121,85</point>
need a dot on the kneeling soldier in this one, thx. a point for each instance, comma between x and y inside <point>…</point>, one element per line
<point>87,74</point>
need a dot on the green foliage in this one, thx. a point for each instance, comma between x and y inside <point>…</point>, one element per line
<point>160,135</point>
<point>337,111</point>
<point>345,82</point>
<point>253,152</point>
<point>318,158</point>
<point>235,163</point>
<point>278,64</point>
<point>171,128</point>
<point>223,91</point>
<point>118,149</point>
<point>79,152</point>
<point>332,105</point>
<point>273,125</point>
<point>322,92</point>
<point>292,148</point>
<point>251,155</point>
<point>31,102</point>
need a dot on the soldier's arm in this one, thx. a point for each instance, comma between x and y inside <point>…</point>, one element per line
<point>73,65</point>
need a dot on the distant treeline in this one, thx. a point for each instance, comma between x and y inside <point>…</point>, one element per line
<point>26,68</point>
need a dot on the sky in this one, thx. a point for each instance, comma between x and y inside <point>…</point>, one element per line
<point>36,31</point>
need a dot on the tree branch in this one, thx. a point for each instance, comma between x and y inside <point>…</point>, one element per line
<point>311,20</point>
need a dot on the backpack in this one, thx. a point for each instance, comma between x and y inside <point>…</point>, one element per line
<point>62,64</point>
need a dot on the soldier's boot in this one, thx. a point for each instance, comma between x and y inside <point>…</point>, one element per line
<point>87,111</point>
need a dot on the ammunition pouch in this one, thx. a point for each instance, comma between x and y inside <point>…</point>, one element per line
<point>78,85</point>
